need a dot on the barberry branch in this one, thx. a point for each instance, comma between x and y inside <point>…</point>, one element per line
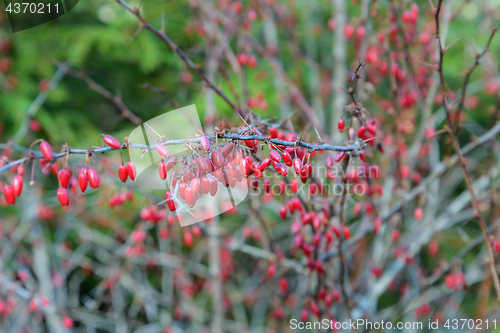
<point>438,170</point>
<point>117,100</point>
<point>461,159</point>
<point>196,68</point>
<point>468,75</point>
<point>353,148</point>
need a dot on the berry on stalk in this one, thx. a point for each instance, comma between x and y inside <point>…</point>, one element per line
<point>283,212</point>
<point>17,185</point>
<point>297,165</point>
<point>275,156</point>
<point>205,143</point>
<point>162,150</point>
<point>46,151</point>
<point>63,196</point>
<point>122,174</point>
<point>93,177</point>
<point>131,170</point>
<point>64,175</point>
<point>218,158</point>
<point>111,141</point>
<point>8,193</point>
<point>287,158</point>
<point>83,179</point>
<point>161,169</point>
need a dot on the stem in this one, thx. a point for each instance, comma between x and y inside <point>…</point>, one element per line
<point>462,161</point>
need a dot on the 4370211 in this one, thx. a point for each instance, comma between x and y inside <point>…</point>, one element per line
<point>33,8</point>
<point>472,324</point>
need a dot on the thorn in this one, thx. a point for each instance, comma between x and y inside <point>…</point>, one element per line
<point>475,51</point>
<point>245,122</point>
<point>136,33</point>
<point>317,133</point>
<point>432,66</point>
<point>432,6</point>
<point>450,45</point>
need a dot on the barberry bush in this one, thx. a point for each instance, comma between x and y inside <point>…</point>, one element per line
<point>365,133</point>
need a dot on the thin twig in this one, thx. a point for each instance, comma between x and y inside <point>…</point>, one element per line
<point>196,68</point>
<point>461,159</point>
<point>126,113</point>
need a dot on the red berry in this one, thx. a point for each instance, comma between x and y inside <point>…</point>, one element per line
<point>131,170</point>
<point>348,31</point>
<point>273,132</point>
<point>188,239</point>
<point>228,148</point>
<point>170,163</point>
<point>297,165</point>
<point>294,184</point>
<point>417,214</point>
<point>281,187</point>
<point>83,179</point>
<point>329,161</point>
<point>64,175</point>
<point>161,169</point>
<point>63,196</point>
<point>340,156</point>
<point>283,285</point>
<point>205,143</point>
<point>250,143</point>
<point>360,32</point>
<point>8,193</point>
<point>163,233</point>
<point>281,168</point>
<point>162,150</point>
<point>275,156</point>
<point>93,177</point>
<point>189,196</point>
<point>242,59</point>
<point>287,158</point>
<point>122,174</point>
<point>377,271</point>
<point>331,24</point>
<point>46,151</point>
<point>205,185</point>
<point>112,142</point>
<point>218,159</point>
<point>496,245</point>
<point>67,322</point>
<point>214,186</point>
<point>361,131</point>
<point>347,232</point>
<point>306,171</point>
<point>267,185</point>
<point>283,212</point>
<point>357,209</point>
<point>395,235</point>
<point>341,124</point>
<point>244,167</point>
<point>265,164</point>
<point>17,185</point>
<point>196,186</point>
<point>271,271</point>
<point>170,202</point>
<point>252,62</point>
<point>43,85</point>
<point>35,125</point>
